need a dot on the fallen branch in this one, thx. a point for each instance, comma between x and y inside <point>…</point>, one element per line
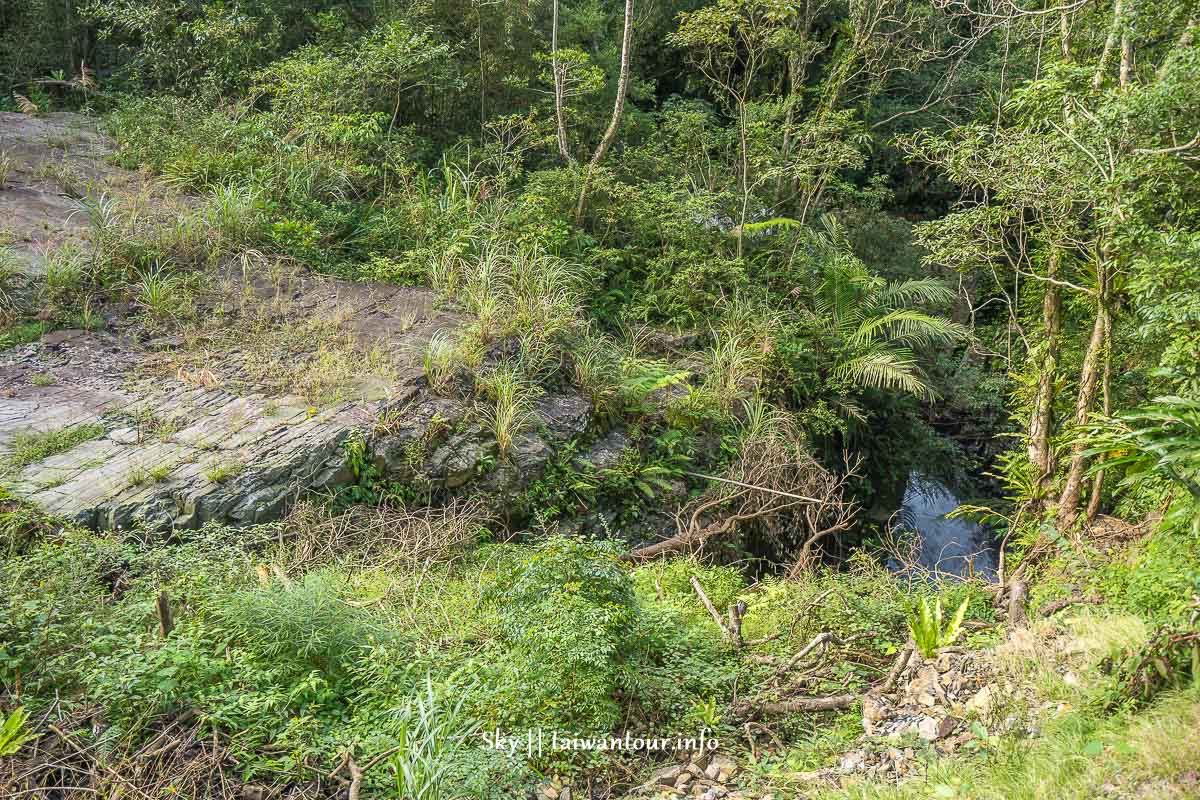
<point>820,640</point>
<point>356,776</point>
<point>712,610</point>
<point>898,666</point>
<point>1054,606</point>
<point>831,703</point>
<point>755,488</point>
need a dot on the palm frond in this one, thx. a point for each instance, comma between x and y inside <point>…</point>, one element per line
<point>884,368</point>
<point>916,290</point>
<point>908,327</point>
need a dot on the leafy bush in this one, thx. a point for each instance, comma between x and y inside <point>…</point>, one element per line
<point>306,624</point>
<point>568,612</point>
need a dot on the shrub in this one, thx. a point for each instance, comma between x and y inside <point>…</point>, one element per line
<point>305,624</point>
<point>566,612</point>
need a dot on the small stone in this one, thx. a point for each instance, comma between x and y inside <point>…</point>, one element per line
<point>565,794</point>
<point>852,761</point>
<point>927,729</point>
<point>946,727</point>
<point>683,780</point>
<point>123,436</point>
<point>981,703</point>
<point>56,338</point>
<point>550,792</point>
<point>725,763</point>
<point>667,775</point>
<point>874,709</point>
<point>712,771</point>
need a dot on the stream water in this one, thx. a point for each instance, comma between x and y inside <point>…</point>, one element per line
<point>957,546</point>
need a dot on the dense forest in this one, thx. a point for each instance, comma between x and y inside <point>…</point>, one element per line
<point>392,391</point>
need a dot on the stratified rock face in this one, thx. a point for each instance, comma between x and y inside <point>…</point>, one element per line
<point>55,159</point>
<point>172,454</point>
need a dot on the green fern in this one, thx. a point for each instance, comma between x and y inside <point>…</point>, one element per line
<point>13,733</point>
<point>928,633</point>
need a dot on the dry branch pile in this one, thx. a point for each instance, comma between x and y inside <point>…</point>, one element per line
<point>382,536</point>
<point>774,483</point>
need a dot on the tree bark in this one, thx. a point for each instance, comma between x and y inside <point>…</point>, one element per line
<point>1041,418</point>
<point>1089,378</point>
<point>1126,61</point>
<point>1109,43</point>
<point>559,120</point>
<point>1093,507</point>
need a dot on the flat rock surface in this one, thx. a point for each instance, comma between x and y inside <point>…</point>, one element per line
<point>54,160</point>
<point>176,450</point>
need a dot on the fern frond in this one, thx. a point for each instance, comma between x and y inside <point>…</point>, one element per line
<point>916,290</point>
<point>26,105</point>
<point>951,632</point>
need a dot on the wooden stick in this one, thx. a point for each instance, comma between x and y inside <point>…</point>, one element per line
<point>712,610</point>
<point>830,703</point>
<point>1054,606</point>
<point>166,622</point>
<point>752,486</point>
<point>901,662</point>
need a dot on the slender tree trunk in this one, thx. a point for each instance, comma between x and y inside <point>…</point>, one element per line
<point>795,88</point>
<point>1089,377</point>
<point>743,145</point>
<point>1093,507</point>
<point>614,124</point>
<point>559,120</point>
<point>1041,421</point>
<point>1109,43</point>
<point>1126,60</point>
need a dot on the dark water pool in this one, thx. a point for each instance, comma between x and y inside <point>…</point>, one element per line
<point>955,546</point>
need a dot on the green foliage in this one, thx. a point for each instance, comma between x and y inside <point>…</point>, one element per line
<point>13,732</point>
<point>876,321</point>
<point>305,625</point>
<point>508,409</point>
<point>1156,579</point>
<point>570,609</point>
<point>429,735</point>
<point>929,632</point>
<point>30,446</point>
<point>1161,439</point>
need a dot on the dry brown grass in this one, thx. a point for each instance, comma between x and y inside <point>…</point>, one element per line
<point>381,537</point>
<point>178,761</point>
